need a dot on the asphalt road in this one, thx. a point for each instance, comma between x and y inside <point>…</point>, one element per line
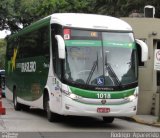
<point>33,123</point>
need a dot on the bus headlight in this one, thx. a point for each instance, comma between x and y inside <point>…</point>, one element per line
<point>71,95</point>
<point>74,97</point>
<point>134,96</point>
<point>131,98</point>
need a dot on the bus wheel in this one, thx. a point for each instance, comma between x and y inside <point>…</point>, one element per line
<point>17,106</point>
<point>52,117</point>
<point>108,119</point>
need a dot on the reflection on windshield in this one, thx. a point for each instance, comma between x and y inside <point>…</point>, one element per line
<point>122,61</point>
<point>81,66</point>
<point>107,61</point>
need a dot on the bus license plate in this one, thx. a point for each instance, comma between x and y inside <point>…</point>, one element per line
<point>103,110</point>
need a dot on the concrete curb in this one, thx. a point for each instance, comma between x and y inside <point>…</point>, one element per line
<point>141,121</point>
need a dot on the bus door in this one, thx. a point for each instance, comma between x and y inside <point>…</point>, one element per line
<point>57,66</point>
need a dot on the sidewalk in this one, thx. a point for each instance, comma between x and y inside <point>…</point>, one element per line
<point>146,119</point>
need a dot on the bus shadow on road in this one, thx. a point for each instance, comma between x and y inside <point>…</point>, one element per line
<point>75,121</point>
<point>91,122</point>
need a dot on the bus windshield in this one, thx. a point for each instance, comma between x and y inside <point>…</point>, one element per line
<point>97,58</point>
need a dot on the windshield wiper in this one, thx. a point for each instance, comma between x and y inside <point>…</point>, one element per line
<point>95,63</point>
<point>111,71</point>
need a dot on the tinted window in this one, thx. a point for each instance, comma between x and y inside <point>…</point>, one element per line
<point>35,43</point>
<point>11,44</point>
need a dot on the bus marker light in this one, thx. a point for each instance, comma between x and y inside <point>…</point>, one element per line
<point>67,33</point>
<point>94,34</point>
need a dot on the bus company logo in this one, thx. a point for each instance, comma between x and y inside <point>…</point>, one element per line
<point>27,66</point>
<point>12,62</point>
<point>103,101</point>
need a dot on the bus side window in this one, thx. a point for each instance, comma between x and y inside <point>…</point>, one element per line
<point>10,47</point>
<point>56,30</point>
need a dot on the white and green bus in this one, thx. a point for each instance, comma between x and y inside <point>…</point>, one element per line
<point>75,64</point>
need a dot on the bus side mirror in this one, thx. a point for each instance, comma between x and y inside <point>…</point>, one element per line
<point>61,46</point>
<point>144,49</point>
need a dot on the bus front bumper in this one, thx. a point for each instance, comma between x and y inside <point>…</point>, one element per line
<point>73,107</point>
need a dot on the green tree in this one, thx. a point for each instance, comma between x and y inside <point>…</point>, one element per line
<point>24,12</point>
<point>2,53</point>
<point>6,13</point>
<point>120,8</point>
<point>14,13</point>
<point>156,4</point>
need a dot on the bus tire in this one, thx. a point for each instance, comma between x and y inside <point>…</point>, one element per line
<point>17,106</point>
<point>52,117</point>
<point>108,119</point>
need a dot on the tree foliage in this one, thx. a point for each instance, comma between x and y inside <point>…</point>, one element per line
<point>2,53</point>
<point>6,13</point>
<point>120,8</point>
<point>16,13</point>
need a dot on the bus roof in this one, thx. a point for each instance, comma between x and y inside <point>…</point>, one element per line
<point>91,21</point>
<point>78,20</point>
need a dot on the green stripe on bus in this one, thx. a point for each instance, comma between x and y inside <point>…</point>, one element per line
<point>94,94</point>
<point>119,44</point>
<point>83,43</point>
<point>98,43</point>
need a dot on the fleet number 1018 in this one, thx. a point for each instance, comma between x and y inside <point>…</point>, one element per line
<point>103,96</point>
